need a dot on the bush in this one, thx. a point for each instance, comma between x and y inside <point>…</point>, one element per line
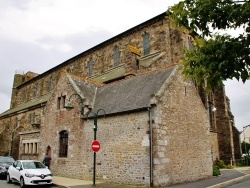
<point>239,164</point>
<point>220,164</point>
<point>216,170</point>
<point>229,166</point>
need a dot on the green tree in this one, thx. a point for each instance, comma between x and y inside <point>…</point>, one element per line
<point>216,57</point>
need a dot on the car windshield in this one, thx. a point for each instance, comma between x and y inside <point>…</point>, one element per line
<point>33,165</point>
<point>6,160</point>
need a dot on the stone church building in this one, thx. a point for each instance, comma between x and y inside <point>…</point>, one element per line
<point>154,127</point>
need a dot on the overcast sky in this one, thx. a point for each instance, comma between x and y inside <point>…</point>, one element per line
<point>37,35</point>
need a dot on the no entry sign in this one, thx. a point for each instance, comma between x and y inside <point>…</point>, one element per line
<point>96,146</point>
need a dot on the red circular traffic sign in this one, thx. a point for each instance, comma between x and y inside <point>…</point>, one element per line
<point>95,146</point>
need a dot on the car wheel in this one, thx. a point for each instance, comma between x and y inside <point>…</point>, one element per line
<point>22,183</point>
<point>8,178</point>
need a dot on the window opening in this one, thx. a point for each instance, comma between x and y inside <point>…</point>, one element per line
<point>63,150</point>
<point>146,44</point>
<point>50,84</point>
<point>90,67</point>
<point>58,103</point>
<point>116,56</point>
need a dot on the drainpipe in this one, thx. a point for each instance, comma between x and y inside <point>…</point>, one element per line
<point>150,146</point>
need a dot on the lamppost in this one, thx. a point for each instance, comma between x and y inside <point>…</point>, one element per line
<point>212,109</point>
<point>244,127</point>
<point>95,116</point>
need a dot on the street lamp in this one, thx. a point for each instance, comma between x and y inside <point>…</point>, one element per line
<point>69,105</point>
<point>211,109</point>
<point>95,116</point>
<point>211,106</point>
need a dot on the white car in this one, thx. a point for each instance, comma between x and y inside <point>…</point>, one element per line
<point>29,172</point>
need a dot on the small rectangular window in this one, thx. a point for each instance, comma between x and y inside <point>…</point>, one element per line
<point>146,44</point>
<point>116,56</point>
<point>90,67</point>
<point>50,84</point>
<point>58,103</point>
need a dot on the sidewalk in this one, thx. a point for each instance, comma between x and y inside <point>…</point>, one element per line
<point>76,183</point>
<point>227,177</point>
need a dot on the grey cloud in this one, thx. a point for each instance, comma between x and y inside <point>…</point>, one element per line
<point>30,57</point>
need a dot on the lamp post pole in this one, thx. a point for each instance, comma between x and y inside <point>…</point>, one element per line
<point>95,116</point>
<point>94,160</point>
<point>245,147</point>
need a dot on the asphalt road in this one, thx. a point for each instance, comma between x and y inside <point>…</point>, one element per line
<point>244,184</point>
<point>4,184</point>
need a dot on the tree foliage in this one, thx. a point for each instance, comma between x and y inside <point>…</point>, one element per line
<point>219,56</point>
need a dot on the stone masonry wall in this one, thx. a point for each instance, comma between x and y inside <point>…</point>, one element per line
<point>214,145</point>
<point>9,137</point>
<point>237,143</point>
<point>122,157</point>
<point>225,128</point>
<point>33,155</point>
<point>181,135</point>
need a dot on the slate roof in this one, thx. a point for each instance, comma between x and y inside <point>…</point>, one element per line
<point>23,106</point>
<point>131,94</point>
<point>84,88</point>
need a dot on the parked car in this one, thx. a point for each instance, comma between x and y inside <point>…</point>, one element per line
<point>29,172</point>
<point>5,162</point>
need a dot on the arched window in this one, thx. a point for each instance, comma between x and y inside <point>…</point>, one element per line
<point>146,44</point>
<point>116,56</point>
<point>90,67</point>
<point>63,150</point>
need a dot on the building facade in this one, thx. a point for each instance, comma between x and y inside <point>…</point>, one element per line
<point>154,126</point>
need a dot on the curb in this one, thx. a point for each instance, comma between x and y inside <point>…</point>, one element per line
<point>229,182</point>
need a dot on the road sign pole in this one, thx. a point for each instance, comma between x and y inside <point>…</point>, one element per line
<point>95,116</point>
<point>94,168</point>
<point>95,130</point>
